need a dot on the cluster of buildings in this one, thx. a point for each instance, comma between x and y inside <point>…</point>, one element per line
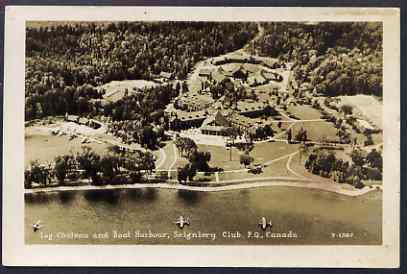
<point>242,74</point>
<point>200,110</point>
<point>219,74</point>
<point>215,120</point>
<point>220,121</point>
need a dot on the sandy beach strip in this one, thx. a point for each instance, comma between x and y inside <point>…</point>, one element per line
<point>323,186</point>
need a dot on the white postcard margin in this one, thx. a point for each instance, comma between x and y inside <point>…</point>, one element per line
<point>16,253</point>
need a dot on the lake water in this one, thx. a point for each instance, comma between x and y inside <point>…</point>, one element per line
<point>123,216</point>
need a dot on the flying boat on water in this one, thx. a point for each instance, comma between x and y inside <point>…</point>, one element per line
<point>37,226</point>
<point>182,221</point>
<point>264,224</point>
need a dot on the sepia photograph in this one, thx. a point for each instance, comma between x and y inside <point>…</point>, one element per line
<point>221,125</point>
<point>204,132</point>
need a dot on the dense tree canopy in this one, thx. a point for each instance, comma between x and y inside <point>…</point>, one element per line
<point>130,50</point>
<point>336,58</point>
<point>63,60</point>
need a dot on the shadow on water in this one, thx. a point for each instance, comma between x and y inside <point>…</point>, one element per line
<point>135,194</point>
<point>150,194</point>
<point>108,196</point>
<point>142,194</point>
<point>189,197</point>
<point>244,191</point>
<point>66,197</point>
<point>38,198</point>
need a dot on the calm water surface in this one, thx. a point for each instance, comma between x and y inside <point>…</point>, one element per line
<point>312,215</point>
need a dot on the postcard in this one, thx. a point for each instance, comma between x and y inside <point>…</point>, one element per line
<point>180,136</point>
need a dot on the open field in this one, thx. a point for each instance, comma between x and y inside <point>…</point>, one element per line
<point>276,169</point>
<point>44,147</point>
<point>317,130</point>
<point>220,157</point>
<point>262,153</point>
<point>368,106</point>
<point>304,112</point>
<point>115,90</point>
<point>268,151</point>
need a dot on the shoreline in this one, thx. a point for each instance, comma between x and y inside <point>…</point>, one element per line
<point>321,186</point>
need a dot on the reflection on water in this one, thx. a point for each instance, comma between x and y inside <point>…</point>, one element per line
<point>314,215</point>
<point>135,194</point>
<point>38,198</point>
<point>189,197</point>
<point>109,196</point>
<point>67,197</point>
<point>244,191</point>
<point>150,194</point>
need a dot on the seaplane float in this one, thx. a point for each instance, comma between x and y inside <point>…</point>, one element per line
<point>182,221</point>
<point>37,226</point>
<point>263,224</point>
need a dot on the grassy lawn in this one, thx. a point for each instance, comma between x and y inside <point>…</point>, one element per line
<point>297,165</point>
<point>264,152</point>
<point>280,133</point>
<point>304,112</point>
<point>276,169</point>
<point>45,148</point>
<point>220,157</point>
<point>317,130</point>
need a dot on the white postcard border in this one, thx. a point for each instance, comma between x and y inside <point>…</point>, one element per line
<point>15,252</point>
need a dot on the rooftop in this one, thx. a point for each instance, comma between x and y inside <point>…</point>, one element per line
<point>194,115</point>
<point>213,128</point>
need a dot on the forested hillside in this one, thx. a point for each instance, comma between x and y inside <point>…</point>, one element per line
<point>336,58</point>
<point>62,61</point>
